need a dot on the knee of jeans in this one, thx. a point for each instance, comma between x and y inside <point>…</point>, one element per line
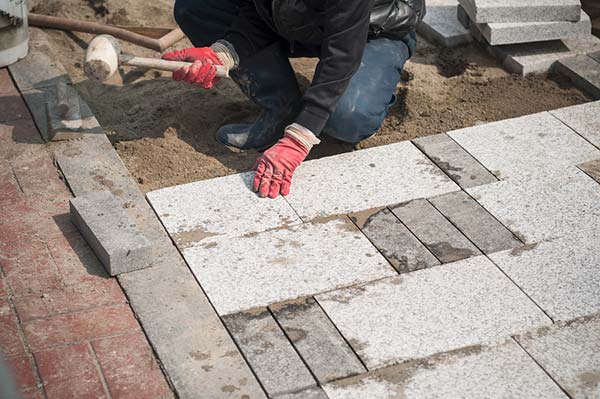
<point>353,123</point>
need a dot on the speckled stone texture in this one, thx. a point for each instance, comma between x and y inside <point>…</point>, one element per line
<point>569,353</point>
<point>584,119</point>
<point>583,71</point>
<point>429,311</point>
<point>561,276</point>
<point>277,265</point>
<point>441,26</point>
<point>504,371</point>
<point>487,11</point>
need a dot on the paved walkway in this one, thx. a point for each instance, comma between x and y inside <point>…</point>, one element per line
<point>66,328</point>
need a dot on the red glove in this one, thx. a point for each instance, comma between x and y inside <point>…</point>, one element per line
<point>202,72</point>
<point>274,169</point>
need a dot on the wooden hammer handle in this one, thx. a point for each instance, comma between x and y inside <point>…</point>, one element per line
<point>164,65</point>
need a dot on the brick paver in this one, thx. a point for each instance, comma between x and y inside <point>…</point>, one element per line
<point>66,328</point>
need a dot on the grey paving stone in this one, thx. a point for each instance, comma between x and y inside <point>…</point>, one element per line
<point>544,208</point>
<point>595,56</point>
<point>400,247</point>
<point>584,119</point>
<point>415,315</point>
<point>446,242</point>
<point>317,340</point>
<point>454,160</point>
<point>561,276</point>
<point>527,146</point>
<point>592,169</point>
<point>569,353</point>
<point>365,179</point>
<point>483,11</point>
<point>223,206</point>
<point>269,353</point>
<point>283,264</point>
<point>583,71</point>
<point>441,26</point>
<point>114,237</point>
<point>504,371</point>
<point>312,393</point>
<point>475,222</point>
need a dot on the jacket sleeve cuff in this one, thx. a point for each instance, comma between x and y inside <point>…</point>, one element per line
<point>313,119</point>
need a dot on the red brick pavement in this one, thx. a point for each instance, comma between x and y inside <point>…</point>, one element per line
<point>66,329</point>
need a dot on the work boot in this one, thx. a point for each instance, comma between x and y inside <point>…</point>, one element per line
<point>269,81</point>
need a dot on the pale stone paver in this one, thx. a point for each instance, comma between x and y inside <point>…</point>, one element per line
<point>223,206</point>
<point>311,393</point>
<point>441,25</point>
<point>541,209</point>
<point>583,71</point>
<point>570,353</point>
<point>415,315</point>
<point>531,145</point>
<point>584,119</point>
<point>274,266</point>
<point>482,11</point>
<point>562,276</point>
<point>501,372</point>
<point>365,179</point>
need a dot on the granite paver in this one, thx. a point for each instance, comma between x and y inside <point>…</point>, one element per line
<point>415,315</point>
<point>354,181</point>
<point>283,264</point>
<point>583,119</point>
<point>441,26</point>
<point>482,11</point>
<point>569,353</point>
<point>312,393</point>
<point>561,276</point>
<point>317,340</point>
<point>504,371</point>
<point>583,71</point>
<point>531,145</point>
<point>444,240</point>
<point>399,246</point>
<point>269,353</point>
<point>475,222</point>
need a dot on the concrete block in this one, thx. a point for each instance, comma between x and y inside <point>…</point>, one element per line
<point>561,276</point>
<point>454,160</point>
<point>475,222</point>
<point>531,145</point>
<point>365,179</point>
<point>544,208</point>
<point>312,393</point>
<point>283,264</point>
<point>441,26</point>
<point>569,354</point>
<point>399,246</point>
<point>488,11</point>
<point>224,206</point>
<point>113,236</point>
<point>317,340</point>
<point>583,119</point>
<point>444,240</point>
<point>441,309</point>
<point>270,355</point>
<point>504,371</point>
<point>583,71</point>
<point>592,169</point>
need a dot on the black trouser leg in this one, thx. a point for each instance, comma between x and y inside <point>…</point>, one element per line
<point>205,21</point>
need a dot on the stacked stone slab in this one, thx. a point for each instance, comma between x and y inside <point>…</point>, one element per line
<point>529,37</point>
<point>441,25</point>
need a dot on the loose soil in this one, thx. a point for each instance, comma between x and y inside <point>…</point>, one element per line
<point>164,130</point>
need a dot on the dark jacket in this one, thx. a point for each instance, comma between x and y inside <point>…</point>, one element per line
<point>336,31</point>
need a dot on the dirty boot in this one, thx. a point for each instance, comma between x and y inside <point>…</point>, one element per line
<point>269,81</point>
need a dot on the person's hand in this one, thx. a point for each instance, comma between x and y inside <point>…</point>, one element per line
<point>202,72</point>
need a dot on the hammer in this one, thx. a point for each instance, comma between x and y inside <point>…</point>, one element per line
<point>103,56</point>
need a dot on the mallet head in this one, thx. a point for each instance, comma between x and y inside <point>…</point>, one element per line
<point>102,58</point>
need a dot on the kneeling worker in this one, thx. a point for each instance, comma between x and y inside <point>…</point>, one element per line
<point>362,46</point>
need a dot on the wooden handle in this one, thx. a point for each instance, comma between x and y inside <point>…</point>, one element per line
<point>164,65</point>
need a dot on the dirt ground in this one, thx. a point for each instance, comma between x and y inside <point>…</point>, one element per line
<point>164,130</point>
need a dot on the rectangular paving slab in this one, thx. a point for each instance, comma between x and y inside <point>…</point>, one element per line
<point>365,179</point>
<point>583,119</point>
<point>527,146</point>
<point>269,353</point>
<point>441,26</point>
<point>561,276</point>
<point>569,353</point>
<point>311,393</point>
<point>482,11</point>
<point>454,160</point>
<point>400,247</point>
<point>540,209</point>
<point>583,71</point>
<point>504,371</point>
<point>475,222</point>
<point>444,240</point>
<point>440,309</point>
<point>317,340</point>
<point>283,264</point>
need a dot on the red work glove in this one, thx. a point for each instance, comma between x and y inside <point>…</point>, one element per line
<point>202,72</point>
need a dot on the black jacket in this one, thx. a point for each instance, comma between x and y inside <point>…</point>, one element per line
<point>336,31</point>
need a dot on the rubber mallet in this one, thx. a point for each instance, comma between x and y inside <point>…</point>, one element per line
<point>103,57</point>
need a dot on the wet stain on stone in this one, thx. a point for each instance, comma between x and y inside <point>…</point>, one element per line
<point>519,250</point>
<point>446,167</point>
<point>296,334</point>
<point>197,355</point>
<point>207,368</point>
<point>590,379</point>
<point>446,253</point>
<point>230,354</point>
<point>229,388</point>
<point>188,238</point>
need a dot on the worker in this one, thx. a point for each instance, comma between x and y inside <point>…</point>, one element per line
<point>362,46</point>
